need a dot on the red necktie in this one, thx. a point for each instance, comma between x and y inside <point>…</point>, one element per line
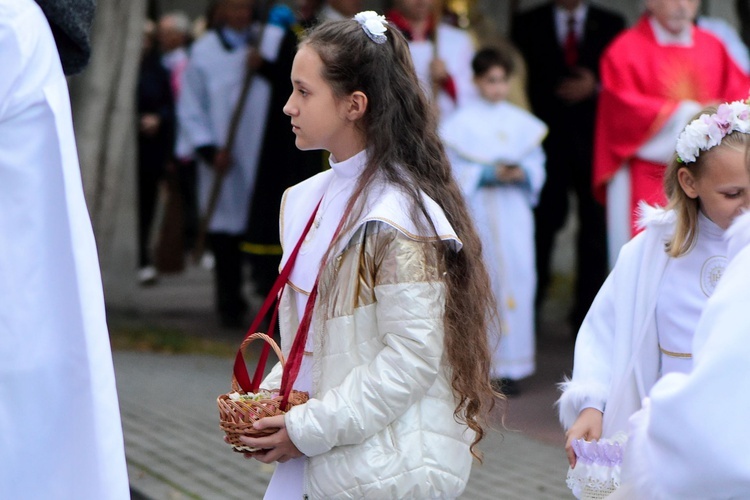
<point>571,43</point>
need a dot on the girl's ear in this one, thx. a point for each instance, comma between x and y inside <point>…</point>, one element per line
<point>687,182</point>
<point>356,105</point>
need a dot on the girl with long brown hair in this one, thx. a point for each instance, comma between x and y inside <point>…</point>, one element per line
<point>397,357</point>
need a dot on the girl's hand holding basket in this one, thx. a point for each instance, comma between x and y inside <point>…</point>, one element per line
<point>239,410</point>
<point>247,403</point>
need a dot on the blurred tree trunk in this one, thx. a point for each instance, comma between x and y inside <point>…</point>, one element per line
<point>103,101</point>
<point>743,14</point>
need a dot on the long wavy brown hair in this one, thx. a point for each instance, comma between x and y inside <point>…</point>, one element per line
<point>402,144</point>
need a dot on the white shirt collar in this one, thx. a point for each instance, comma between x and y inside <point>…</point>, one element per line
<point>351,167</point>
<point>665,37</point>
<point>709,227</point>
<point>561,21</point>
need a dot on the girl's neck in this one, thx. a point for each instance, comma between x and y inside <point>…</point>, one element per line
<point>347,146</point>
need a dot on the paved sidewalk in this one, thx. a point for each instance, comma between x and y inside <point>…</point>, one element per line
<point>175,449</point>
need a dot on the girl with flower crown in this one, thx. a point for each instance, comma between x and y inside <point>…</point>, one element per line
<point>396,360</point>
<point>640,326</point>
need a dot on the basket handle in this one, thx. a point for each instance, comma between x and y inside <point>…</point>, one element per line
<point>269,342</point>
<point>240,369</point>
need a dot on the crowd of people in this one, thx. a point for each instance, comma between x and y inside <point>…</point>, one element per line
<point>603,164</point>
<point>601,110</point>
<point>386,163</point>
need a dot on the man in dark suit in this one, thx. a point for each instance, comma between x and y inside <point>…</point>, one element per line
<point>562,41</point>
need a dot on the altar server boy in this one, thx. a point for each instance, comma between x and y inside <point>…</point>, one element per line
<point>496,152</point>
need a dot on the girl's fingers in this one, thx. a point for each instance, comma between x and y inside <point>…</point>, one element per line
<point>571,456</point>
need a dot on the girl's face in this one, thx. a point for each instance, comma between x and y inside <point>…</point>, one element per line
<point>493,84</point>
<point>319,118</point>
<point>723,189</point>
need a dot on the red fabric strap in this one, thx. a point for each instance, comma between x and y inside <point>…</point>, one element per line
<point>449,86</point>
<point>294,361</point>
<point>240,370</point>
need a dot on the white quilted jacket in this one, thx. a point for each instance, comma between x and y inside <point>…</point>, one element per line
<point>380,422</point>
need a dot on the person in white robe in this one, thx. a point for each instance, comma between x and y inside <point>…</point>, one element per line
<point>60,429</point>
<point>690,440</point>
<point>210,91</point>
<point>729,37</point>
<point>446,69</point>
<point>337,10</point>
<point>640,326</point>
<point>173,32</point>
<point>496,154</point>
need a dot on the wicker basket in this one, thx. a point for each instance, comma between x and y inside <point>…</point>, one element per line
<point>236,416</point>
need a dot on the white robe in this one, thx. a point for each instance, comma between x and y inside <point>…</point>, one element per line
<point>456,49</point>
<point>60,430</point>
<point>691,439</point>
<point>686,286</point>
<point>481,134</point>
<point>617,357</point>
<point>210,89</point>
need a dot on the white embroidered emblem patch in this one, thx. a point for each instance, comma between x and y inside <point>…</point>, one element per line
<point>711,273</point>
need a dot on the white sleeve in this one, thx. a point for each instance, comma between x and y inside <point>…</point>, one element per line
<point>660,147</point>
<point>193,109</point>
<point>13,64</point>
<point>463,75</point>
<point>730,38</point>
<point>271,42</point>
<point>533,166</point>
<point>468,175</point>
<point>592,363</point>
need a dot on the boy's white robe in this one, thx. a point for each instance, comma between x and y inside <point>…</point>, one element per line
<point>210,89</point>
<point>691,439</point>
<point>480,134</point>
<point>60,430</point>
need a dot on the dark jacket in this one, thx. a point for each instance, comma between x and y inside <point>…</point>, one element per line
<point>70,21</point>
<point>535,34</point>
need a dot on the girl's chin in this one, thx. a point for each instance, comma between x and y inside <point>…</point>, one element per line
<point>303,145</point>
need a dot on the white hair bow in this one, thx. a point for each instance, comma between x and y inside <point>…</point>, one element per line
<point>373,25</point>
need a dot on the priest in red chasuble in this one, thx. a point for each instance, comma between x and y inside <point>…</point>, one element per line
<point>654,77</point>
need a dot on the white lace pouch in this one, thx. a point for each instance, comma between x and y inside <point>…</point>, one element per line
<point>597,470</point>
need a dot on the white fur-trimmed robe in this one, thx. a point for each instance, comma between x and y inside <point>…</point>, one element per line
<point>617,349</point>
<point>691,439</point>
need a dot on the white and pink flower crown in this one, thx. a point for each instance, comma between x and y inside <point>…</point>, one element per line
<point>707,131</point>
